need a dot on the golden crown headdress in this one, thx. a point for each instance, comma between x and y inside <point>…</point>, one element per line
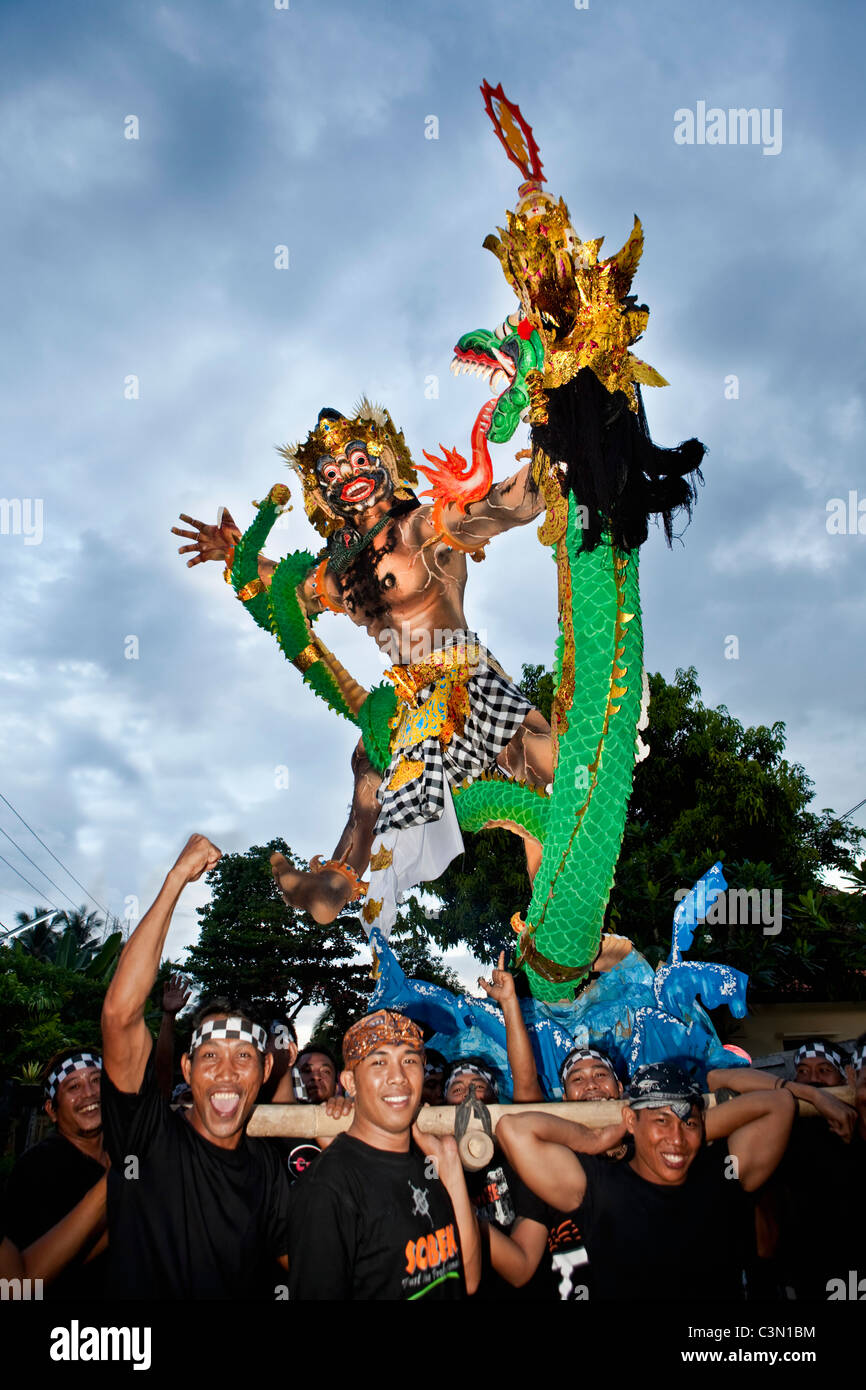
<point>580,306</point>
<point>373,425</point>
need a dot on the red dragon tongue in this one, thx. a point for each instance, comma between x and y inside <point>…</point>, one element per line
<point>482,467</point>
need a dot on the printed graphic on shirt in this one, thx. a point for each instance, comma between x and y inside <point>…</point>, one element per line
<point>494,1202</point>
<point>432,1256</point>
<point>301,1159</point>
<point>569,1260</point>
<point>421,1199</point>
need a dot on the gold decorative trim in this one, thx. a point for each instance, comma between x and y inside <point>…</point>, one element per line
<point>307,658</point>
<point>381,860</point>
<point>406,771</point>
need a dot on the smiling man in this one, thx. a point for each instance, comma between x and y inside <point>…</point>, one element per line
<point>196,1210</point>
<point>381,1216</point>
<point>51,1178</point>
<point>673,1221</point>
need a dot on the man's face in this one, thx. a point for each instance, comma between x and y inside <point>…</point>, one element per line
<point>224,1075</point>
<point>590,1079</point>
<point>76,1108</point>
<point>354,481</point>
<point>463,1082</point>
<point>818,1071</point>
<point>319,1076</point>
<point>387,1087</point>
<point>664,1145</point>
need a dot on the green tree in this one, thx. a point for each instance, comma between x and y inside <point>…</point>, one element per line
<point>43,1008</point>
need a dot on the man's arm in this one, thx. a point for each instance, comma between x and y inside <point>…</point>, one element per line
<point>174,996</point>
<point>450,1172</point>
<point>521,1062</point>
<point>516,1256</point>
<point>50,1254</point>
<point>544,1149</point>
<point>126,1040</point>
<point>757,1127</point>
<point>841,1118</point>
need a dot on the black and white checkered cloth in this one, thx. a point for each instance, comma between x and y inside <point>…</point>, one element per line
<point>76,1061</point>
<point>819,1049</point>
<point>497,710</point>
<point>232,1029</point>
<point>858,1058</point>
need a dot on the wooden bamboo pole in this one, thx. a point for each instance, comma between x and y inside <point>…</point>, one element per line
<point>311,1122</point>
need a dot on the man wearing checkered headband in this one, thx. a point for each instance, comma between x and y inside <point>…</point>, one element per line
<point>380,1216</point>
<point>53,1177</point>
<point>671,1221</point>
<point>196,1209</point>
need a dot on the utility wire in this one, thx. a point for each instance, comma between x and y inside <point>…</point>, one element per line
<point>101,907</point>
<point>40,891</point>
<point>853,809</point>
<point>36,866</point>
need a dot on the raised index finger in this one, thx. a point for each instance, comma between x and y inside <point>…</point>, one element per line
<point>191,521</point>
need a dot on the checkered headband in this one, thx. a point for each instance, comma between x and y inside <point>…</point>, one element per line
<point>232,1029</point>
<point>76,1061</point>
<point>458,1068</point>
<point>858,1058</point>
<point>578,1054</point>
<point>819,1049</point>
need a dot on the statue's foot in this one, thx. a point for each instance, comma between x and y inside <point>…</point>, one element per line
<point>323,894</point>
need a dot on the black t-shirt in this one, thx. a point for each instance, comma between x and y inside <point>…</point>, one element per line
<point>819,1206</point>
<point>570,1270</point>
<point>650,1240</point>
<point>500,1197</point>
<point>371,1224</point>
<point>188,1219</point>
<point>45,1184</point>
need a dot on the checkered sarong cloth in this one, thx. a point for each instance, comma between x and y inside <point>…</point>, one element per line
<point>497,710</point>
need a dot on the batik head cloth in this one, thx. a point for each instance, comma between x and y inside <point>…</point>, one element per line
<point>664,1086</point>
<point>580,1054</point>
<point>858,1058</point>
<point>474,1068</point>
<point>820,1049</point>
<point>382,1029</point>
<point>76,1061</point>
<point>233,1028</point>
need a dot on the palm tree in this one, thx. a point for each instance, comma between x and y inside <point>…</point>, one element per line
<point>35,933</point>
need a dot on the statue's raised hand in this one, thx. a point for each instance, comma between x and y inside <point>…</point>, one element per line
<point>210,542</point>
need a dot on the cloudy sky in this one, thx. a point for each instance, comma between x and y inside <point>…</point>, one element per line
<point>153,258</point>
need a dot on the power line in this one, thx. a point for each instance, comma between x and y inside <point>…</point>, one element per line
<point>853,809</point>
<point>36,866</point>
<point>40,891</point>
<point>101,907</point>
